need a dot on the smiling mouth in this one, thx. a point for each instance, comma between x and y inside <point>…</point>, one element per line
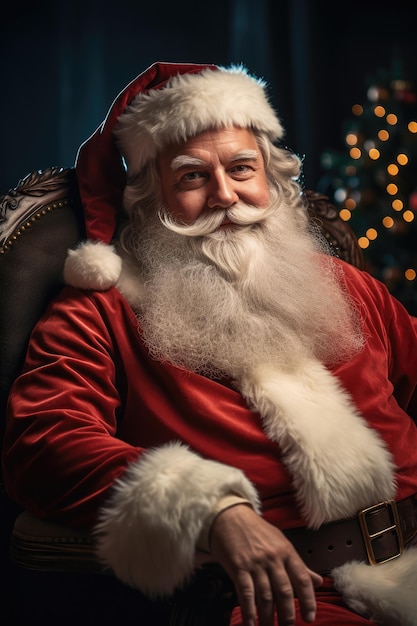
<point>227,224</point>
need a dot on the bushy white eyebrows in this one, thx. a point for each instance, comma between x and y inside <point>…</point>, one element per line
<point>184,160</point>
<point>246,155</point>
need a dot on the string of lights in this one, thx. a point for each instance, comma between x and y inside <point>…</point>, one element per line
<point>373,182</point>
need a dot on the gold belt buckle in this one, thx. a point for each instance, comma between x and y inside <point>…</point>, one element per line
<point>368,537</point>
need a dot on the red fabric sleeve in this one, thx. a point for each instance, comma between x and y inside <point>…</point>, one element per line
<point>64,410</point>
<point>387,322</point>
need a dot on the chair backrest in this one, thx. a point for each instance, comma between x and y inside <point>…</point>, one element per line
<point>39,220</point>
<point>342,239</point>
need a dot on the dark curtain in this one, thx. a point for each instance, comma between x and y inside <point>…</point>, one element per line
<point>62,63</point>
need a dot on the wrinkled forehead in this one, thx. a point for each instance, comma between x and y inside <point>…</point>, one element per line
<point>224,144</point>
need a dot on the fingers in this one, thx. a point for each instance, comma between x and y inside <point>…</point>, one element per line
<point>263,592</point>
<point>283,597</point>
<point>256,598</point>
<point>304,582</point>
<point>292,581</point>
<point>245,591</point>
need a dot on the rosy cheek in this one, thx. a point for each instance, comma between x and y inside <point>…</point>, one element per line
<point>262,196</point>
<point>187,211</point>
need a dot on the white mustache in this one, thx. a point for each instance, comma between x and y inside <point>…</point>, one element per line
<point>240,214</point>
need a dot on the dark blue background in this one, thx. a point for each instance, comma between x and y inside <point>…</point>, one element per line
<point>63,62</point>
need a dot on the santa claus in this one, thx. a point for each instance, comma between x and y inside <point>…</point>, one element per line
<point>240,395</point>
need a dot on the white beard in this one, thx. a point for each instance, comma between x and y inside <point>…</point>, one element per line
<point>259,306</point>
<point>220,302</point>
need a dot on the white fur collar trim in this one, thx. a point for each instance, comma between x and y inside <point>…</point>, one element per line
<point>339,465</point>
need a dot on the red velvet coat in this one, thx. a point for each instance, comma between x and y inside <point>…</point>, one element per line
<point>91,400</point>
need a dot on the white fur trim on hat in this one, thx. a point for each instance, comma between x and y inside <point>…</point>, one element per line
<point>149,529</point>
<point>189,104</point>
<point>93,265</point>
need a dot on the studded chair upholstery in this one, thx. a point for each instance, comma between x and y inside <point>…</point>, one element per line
<point>39,220</point>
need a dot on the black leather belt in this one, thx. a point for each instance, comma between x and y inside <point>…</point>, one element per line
<point>376,535</point>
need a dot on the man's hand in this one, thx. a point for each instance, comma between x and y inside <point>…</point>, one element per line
<point>264,566</point>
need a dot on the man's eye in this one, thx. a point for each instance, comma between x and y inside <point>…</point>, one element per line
<point>241,168</point>
<point>192,175</point>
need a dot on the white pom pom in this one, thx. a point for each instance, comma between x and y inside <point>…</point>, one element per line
<point>93,265</point>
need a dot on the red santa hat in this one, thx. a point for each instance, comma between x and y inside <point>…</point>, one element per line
<point>169,102</point>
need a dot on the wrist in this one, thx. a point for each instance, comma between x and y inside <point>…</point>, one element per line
<point>224,503</point>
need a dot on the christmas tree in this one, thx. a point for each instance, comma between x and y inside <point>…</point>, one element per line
<point>373,181</point>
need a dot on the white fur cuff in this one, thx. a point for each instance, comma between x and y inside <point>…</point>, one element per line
<point>148,531</point>
<point>386,593</point>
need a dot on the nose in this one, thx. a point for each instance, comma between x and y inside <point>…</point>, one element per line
<point>222,193</point>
